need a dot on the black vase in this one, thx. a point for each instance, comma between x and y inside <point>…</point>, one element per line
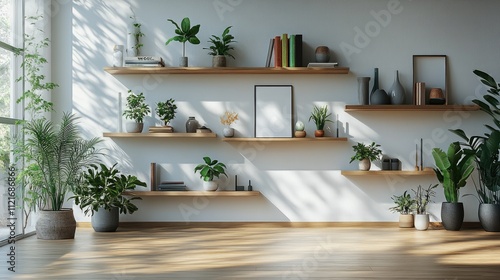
<point>452,215</point>
<point>489,216</point>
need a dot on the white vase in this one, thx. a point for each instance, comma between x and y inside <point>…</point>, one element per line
<point>133,127</point>
<point>210,186</point>
<point>228,132</point>
<point>364,164</point>
<point>421,221</point>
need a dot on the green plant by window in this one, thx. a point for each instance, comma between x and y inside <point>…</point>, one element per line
<point>210,169</point>
<point>136,107</point>
<point>166,110</point>
<point>221,45</point>
<point>423,197</point>
<point>404,203</point>
<point>185,33</point>
<point>320,116</point>
<point>362,151</point>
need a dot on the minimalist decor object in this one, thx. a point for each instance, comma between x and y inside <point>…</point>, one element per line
<point>118,56</point>
<point>185,33</point>
<point>366,154</point>
<point>227,119</point>
<point>320,117</point>
<point>166,111</point>
<point>364,90</point>
<point>322,54</point>
<point>378,96</point>
<point>436,97</point>
<point>135,109</point>
<point>422,198</point>
<point>134,36</point>
<point>273,111</point>
<point>220,48</point>
<point>375,81</point>
<point>453,168</point>
<point>404,204</point>
<point>209,170</point>
<point>397,92</point>
<point>433,71</point>
<point>191,125</point>
<point>300,129</point>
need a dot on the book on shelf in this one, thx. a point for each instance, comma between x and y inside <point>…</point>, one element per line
<point>172,183</point>
<point>152,65</point>
<point>291,51</point>
<point>144,59</point>
<point>152,187</point>
<point>284,50</point>
<point>322,65</point>
<point>270,52</point>
<point>161,129</point>
<point>298,50</point>
<point>277,51</point>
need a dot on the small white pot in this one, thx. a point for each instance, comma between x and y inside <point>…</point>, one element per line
<point>228,132</point>
<point>421,221</point>
<point>133,127</point>
<point>364,164</point>
<point>210,186</point>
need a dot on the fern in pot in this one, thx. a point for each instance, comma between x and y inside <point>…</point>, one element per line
<point>220,48</point>
<point>136,109</point>
<point>209,170</point>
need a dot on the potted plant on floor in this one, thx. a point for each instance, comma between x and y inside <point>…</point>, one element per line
<point>209,170</point>
<point>404,204</point>
<point>227,119</point>
<point>185,33</point>
<point>135,109</point>
<point>453,170</point>
<point>422,198</point>
<point>166,111</point>
<point>101,194</point>
<point>220,48</point>
<point>320,116</point>
<point>366,154</point>
<point>485,152</point>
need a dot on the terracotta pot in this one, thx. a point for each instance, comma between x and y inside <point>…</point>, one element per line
<point>319,133</point>
<point>300,133</point>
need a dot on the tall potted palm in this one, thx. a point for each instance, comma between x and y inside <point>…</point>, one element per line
<point>485,152</point>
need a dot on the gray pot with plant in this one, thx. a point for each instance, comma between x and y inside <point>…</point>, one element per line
<point>185,33</point>
<point>166,111</point>
<point>485,152</point>
<point>366,154</point>
<point>320,117</point>
<point>135,109</point>
<point>209,170</point>
<point>453,169</point>
<point>220,48</point>
<point>404,204</point>
<point>422,198</point>
<point>101,194</point>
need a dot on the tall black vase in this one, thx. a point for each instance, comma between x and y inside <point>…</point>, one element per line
<point>452,215</point>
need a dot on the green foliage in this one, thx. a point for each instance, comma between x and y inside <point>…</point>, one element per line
<point>136,107</point>
<point>56,157</point>
<point>185,33</point>
<point>453,169</point>
<point>166,110</point>
<point>404,203</point>
<point>103,187</point>
<point>137,36</point>
<point>423,197</point>
<point>221,45</point>
<point>362,151</point>
<point>210,169</point>
<point>320,116</point>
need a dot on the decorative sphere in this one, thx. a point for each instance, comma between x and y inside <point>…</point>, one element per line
<point>299,126</point>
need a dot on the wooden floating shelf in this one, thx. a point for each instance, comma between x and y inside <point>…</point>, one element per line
<point>387,173</point>
<point>159,135</point>
<point>388,108</point>
<point>224,70</point>
<point>192,193</point>
<point>304,139</point>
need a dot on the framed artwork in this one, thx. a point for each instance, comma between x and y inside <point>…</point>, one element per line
<point>273,113</point>
<point>433,71</point>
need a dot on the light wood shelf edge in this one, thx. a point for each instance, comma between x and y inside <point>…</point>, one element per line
<point>158,135</point>
<point>291,139</point>
<point>387,173</point>
<point>426,108</point>
<point>224,70</point>
<point>192,193</point>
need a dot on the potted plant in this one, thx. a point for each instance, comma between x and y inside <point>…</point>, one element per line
<point>135,37</point>
<point>166,111</point>
<point>136,110</point>
<point>209,170</point>
<point>366,154</point>
<point>185,33</point>
<point>422,198</point>
<point>220,48</point>
<point>320,116</point>
<point>101,194</point>
<point>227,119</point>
<point>404,204</point>
<point>55,158</point>
<point>485,152</point>
<point>453,170</point>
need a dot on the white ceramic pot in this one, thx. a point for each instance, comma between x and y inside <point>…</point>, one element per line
<point>133,127</point>
<point>364,164</point>
<point>228,132</point>
<point>210,186</point>
<point>421,221</point>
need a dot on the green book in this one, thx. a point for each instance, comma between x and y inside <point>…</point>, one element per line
<point>284,50</point>
<point>292,51</point>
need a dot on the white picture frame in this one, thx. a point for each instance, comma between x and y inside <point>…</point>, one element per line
<point>433,71</point>
<point>273,112</point>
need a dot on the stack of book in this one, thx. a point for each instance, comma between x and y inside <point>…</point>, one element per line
<point>144,61</point>
<point>287,51</point>
<point>171,186</point>
<point>161,129</point>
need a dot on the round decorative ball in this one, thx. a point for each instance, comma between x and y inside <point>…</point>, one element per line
<point>322,54</point>
<point>299,126</point>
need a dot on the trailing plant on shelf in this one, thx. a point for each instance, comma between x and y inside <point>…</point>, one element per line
<point>166,110</point>
<point>185,33</point>
<point>404,204</point>
<point>366,154</point>
<point>209,170</point>
<point>320,117</point>
<point>136,109</point>
<point>221,47</point>
<point>423,197</point>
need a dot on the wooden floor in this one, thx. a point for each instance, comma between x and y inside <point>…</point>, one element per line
<point>260,252</point>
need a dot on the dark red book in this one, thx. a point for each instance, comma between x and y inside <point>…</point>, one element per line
<point>277,51</point>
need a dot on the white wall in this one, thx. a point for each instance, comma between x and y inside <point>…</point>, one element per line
<point>299,181</point>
